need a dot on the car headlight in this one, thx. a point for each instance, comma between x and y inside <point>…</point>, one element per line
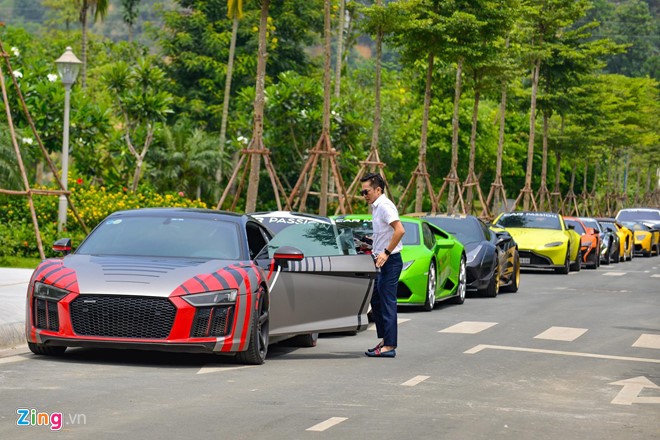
<point>407,264</point>
<point>554,244</point>
<point>48,292</point>
<point>212,298</point>
<point>471,255</point>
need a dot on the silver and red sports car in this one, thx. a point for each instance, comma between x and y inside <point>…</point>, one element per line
<point>196,281</point>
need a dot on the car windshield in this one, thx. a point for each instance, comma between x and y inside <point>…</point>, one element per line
<point>638,215</point>
<point>464,229</point>
<point>314,239</point>
<point>364,229</point>
<point>535,220</point>
<point>592,224</point>
<point>637,226</point>
<point>277,223</point>
<point>609,225</point>
<point>165,236</point>
<point>576,225</point>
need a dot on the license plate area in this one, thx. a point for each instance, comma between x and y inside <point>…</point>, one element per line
<point>524,260</point>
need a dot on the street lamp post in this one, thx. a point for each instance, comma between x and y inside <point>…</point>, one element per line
<point>68,66</point>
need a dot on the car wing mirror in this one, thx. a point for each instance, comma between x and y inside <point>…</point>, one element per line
<point>284,254</point>
<point>502,237</point>
<point>62,245</point>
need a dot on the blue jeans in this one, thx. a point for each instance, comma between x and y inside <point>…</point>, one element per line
<point>383,300</point>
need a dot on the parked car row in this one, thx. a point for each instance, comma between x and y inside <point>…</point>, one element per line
<point>198,280</point>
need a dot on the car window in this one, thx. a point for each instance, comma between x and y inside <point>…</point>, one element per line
<point>314,240</point>
<point>534,220</point>
<point>592,224</point>
<point>429,240</point>
<point>165,236</point>
<point>363,229</point>
<point>256,238</point>
<point>638,215</point>
<point>578,227</point>
<point>463,229</point>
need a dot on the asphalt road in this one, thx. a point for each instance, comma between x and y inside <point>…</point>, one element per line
<point>567,357</point>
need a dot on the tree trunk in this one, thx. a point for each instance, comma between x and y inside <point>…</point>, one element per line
<point>454,135</point>
<point>419,196</point>
<point>259,100</point>
<point>376,128</point>
<point>340,47</point>
<point>532,132</point>
<point>323,205</point>
<point>473,147</point>
<point>83,20</point>
<point>227,96</point>
<point>500,144</point>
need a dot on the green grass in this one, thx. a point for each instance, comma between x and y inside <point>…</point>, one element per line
<point>20,262</point>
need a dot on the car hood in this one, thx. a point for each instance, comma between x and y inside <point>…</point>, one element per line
<point>144,276</point>
<point>528,238</point>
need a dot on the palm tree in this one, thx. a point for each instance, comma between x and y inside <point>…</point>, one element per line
<point>98,8</point>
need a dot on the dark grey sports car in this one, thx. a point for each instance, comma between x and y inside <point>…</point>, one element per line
<point>197,281</point>
<point>492,258</point>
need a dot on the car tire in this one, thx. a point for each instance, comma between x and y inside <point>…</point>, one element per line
<point>493,285</point>
<point>47,350</point>
<point>575,267</point>
<point>461,289</point>
<point>431,286</point>
<point>308,340</point>
<point>567,265</point>
<point>259,333</point>
<point>617,257</point>
<point>515,276</point>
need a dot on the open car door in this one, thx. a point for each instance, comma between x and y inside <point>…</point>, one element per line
<point>327,290</point>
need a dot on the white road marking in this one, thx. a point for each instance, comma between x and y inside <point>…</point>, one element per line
<point>614,274</point>
<point>205,370</point>
<point>561,334</point>
<point>468,327</point>
<point>629,394</point>
<point>414,381</point>
<point>478,348</point>
<point>332,421</point>
<point>372,326</point>
<point>655,276</point>
<point>10,359</point>
<point>648,341</point>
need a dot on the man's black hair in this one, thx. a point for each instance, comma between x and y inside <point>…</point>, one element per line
<point>375,180</point>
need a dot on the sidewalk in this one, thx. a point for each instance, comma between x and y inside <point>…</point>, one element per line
<point>13,288</point>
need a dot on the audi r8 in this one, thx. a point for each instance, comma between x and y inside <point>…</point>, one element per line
<point>196,281</point>
<point>434,262</point>
<point>544,240</point>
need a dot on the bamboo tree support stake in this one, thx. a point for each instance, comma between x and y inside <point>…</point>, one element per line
<point>451,181</point>
<point>496,194</point>
<point>323,149</point>
<point>244,163</point>
<point>571,200</point>
<point>525,194</point>
<point>28,190</point>
<point>497,187</point>
<point>471,182</point>
<point>584,197</point>
<point>420,171</point>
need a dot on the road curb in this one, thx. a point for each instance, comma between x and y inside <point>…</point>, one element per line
<point>12,334</point>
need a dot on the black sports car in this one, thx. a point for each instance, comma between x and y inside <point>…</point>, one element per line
<point>492,258</point>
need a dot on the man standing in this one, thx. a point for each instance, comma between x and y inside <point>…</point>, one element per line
<point>386,249</point>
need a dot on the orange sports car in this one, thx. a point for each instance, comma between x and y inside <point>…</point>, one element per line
<point>590,241</point>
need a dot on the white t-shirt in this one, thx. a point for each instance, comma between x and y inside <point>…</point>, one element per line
<point>384,212</point>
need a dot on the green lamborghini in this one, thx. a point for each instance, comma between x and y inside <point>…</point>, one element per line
<point>433,261</point>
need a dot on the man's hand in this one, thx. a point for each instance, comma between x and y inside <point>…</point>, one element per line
<point>381,259</point>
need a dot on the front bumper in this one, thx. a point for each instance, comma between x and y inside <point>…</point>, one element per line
<point>548,258</point>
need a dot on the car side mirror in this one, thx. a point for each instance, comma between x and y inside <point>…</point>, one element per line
<point>284,254</point>
<point>502,237</point>
<point>62,245</point>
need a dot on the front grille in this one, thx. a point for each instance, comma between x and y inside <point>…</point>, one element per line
<point>122,316</point>
<point>211,321</point>
<point>534,259</point>
<point>45,315</point>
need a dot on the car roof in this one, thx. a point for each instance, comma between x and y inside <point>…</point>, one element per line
<point>191,212</point>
